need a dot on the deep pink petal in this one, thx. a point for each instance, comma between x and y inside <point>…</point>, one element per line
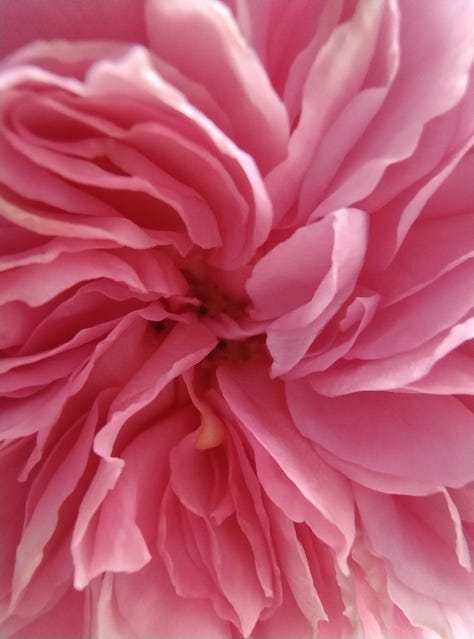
<point>84,20</point>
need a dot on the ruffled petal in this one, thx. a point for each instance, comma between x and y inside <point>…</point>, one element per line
<point>390,432</point>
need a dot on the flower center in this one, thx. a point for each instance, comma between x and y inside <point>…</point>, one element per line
<point>214,301</point>
<point>242,350</point>
<point>224,314</point>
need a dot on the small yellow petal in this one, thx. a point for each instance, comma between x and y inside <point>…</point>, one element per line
<point>211,431</point>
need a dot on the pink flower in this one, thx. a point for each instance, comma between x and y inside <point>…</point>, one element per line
<point>237,319</point>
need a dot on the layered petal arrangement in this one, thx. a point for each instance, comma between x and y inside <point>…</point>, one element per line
<point>237,319</point>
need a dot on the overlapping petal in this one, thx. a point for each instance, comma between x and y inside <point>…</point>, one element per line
<point>236,319</point>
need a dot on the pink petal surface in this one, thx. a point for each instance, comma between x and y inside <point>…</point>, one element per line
<point>301,312</point>
<point>441,79</point>
<point>333,74</point>
<point>222,57</point>
<point>389,432</point>
<point>236,319</point>
<point>251,397</point>
<point>76,21</point>
<point>418,556</point>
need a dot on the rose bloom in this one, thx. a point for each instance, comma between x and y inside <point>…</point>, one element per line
<point>237,319</point>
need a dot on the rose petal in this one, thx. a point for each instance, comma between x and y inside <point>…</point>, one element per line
<point>390,433</point>
<point>77,20</point>
<point>285,463</point>
<point>311,284</point>
<point>442,59</point>
<point>418,557</point>
<point>221,56</point>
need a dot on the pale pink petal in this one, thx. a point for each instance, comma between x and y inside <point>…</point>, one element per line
<point>442,59</point>
<point>451,375</point>
<point>241,167</point>
<point>279,31</point>
<point>433,247</point>
<point>239,547</point>
<point>285,462</point>
<point>128,549</point>
<point>422,367</point>
<point>336,340</point>
<point>326,576</point>
<point>334,75</point>
<point>24,284</point>
<point>295,567</point>
<point>391,223</point>
<point>418,556</point>
<point>116,229</point>
<point>349,127</point>
<point>221,57</point>
<point>35,183</point>
<point>42,570</point>
<point>416,319</point>
<point>128,338</point>
<point>237,319</point>
<point>150,605</point>
<point>390,432</point>
<point>92,553</point>
<point>311,285</point>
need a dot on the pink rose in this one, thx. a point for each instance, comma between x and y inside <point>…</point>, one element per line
<point>237,319</point>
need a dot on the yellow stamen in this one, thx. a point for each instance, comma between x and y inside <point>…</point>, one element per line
<point>211,431</point>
